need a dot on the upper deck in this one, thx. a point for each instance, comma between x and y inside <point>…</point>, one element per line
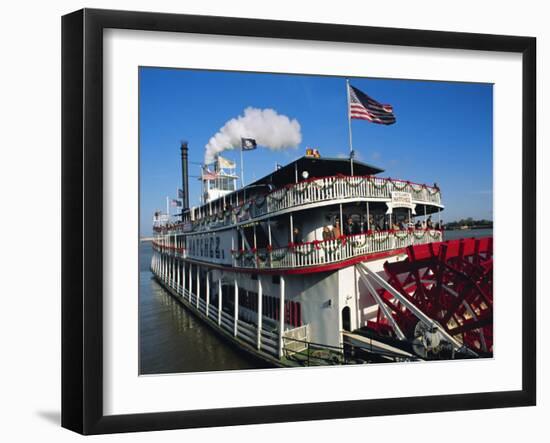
<point>314,192</point>
<point>321,221</point>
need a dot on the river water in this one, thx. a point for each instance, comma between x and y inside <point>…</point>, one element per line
<point>173,340</point>
<point>467,233</point>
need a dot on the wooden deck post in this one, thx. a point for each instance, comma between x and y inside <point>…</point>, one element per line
<point>178,276</point>
<point>281,313</point>
<point>236,308</point>
<point>207,292</point>
<point>260,297</point>
<point>190,281</point>
<point>220,300</point>
<point>198,286</point>
<point>183,278</point>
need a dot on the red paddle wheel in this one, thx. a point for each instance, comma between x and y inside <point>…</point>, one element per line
<point>452,284</point>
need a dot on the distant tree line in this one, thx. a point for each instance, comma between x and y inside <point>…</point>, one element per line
<point>469,223</point>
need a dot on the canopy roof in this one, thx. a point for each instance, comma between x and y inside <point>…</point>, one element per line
<point>316,167</point>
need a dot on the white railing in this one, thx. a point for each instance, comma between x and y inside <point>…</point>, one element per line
<point>343,187</point>
<point>318,253</point>
<point>172,250</point>
<point>245,331</point>
<point>315,191</point>
<point>298,338</point>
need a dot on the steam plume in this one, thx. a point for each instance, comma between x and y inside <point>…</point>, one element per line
<point>269,129</point>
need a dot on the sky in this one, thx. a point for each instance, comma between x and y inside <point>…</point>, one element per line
<point>443,133</point>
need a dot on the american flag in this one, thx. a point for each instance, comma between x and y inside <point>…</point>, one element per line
<point>208,174</point>
<point>362,107</point>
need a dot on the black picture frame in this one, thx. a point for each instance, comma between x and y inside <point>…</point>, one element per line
<point>82,218</point>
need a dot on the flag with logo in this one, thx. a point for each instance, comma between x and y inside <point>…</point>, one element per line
<point>176,203</point>
<point>248,144</point>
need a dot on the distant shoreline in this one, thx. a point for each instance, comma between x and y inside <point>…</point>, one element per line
<point>458,228</point>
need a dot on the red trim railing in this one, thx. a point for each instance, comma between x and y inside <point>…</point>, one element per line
<point>158,246</point>
<point>313,190</point>
<point>322,252</point>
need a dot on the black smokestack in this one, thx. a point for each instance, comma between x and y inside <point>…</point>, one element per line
<point>185,175</point>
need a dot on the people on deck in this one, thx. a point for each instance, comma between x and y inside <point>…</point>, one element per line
<point>376,222</point>
<point>296,237</point>
<point>371,225</point>
<point>350,227</point>
<point>429,223</point>
<point>336,231</point>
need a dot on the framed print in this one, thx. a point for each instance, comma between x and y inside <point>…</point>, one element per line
<point>270,221</point>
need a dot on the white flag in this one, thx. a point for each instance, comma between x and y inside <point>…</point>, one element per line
<point>225,163</point>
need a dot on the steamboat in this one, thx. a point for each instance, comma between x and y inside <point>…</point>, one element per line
<point>324,262</point>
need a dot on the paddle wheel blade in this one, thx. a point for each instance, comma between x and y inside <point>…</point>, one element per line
<point>442,293</point>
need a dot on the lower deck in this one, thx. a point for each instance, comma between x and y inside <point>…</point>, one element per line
<point>246,308</point>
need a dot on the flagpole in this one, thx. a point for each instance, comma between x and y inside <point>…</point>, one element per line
<point>178,198</point>
<point>349,128</point>
<point>168,207</point>
<point>202,183</point>
<point>242,168</point>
